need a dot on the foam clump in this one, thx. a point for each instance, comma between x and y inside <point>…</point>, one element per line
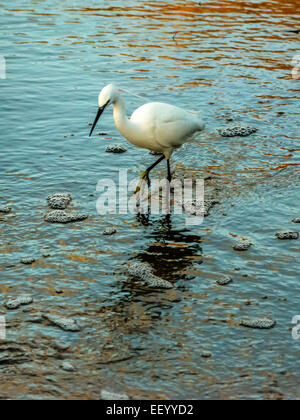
<point>66,324</point>
<point>60,216</point>
<point>287,234</point>
<point>238,131</point>
<point>144,273</point>
<point>116,148</point>
<point>258,323</point>
<point>17,302</point>
<point>107,395</point>
<point>59,200</point>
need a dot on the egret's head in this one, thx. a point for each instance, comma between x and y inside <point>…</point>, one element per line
<point>107,96</point>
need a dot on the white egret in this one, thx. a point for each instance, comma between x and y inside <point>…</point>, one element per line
<point>155,126</point>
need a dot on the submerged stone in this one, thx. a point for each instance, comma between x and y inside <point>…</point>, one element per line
<point>67,367</point>
<point>238,131</point>
<point>60,216</point>
<point>17,302</point>
<point>59,200</point>
<point>259,323</point>
<point>287,234</point>
<point>66,324</point>
<point>144,273</point>
<point>116,148</point>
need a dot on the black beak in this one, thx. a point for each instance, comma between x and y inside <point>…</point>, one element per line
<point>99,113</point>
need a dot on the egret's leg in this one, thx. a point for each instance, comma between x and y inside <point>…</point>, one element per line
<point>169,171</point>
<point>154,164</point>
<point>145,174</point>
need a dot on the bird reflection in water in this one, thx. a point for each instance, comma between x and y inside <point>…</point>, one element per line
<point>170,250</point>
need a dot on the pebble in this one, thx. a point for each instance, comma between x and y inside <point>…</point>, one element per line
<point>60,216</point>
<point>223,281</point>
<point>59,200</point>
<point>5,209</point>
<point>67,367</point>
<point>206,354</point>
<point>59,291</point>
<point>144,272</point>
<point>66,324</point>
<point>242,245</point>
<point>109,231</point>
<point>238,131</point>
<point>259,323</point>
<point>27,260</point>
<point>116,148</point>
<point>107,395</point>
<point>287,234</point>
<point>17,302</point>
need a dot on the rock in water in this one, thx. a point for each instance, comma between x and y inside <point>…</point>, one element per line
<point>67,324</point>
<point>109,231</point>
<point>5,209</point>
<point>107,395</point>
<point>59,200</point>
<point>242,245</point>
<point>17,302</point>
<point>143,272</point>
<point>27,260</point>
<point>195,207</point>
<point>60,216</point>
<point>259,323</point>
<point>223,281</point>
<point>238,131</point>
<point>287,234</point>
<point>116,148</point>
<point>206,354</point>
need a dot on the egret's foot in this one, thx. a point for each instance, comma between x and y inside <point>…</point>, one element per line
<point>144,177</point>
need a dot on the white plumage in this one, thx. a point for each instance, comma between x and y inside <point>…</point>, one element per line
<point>154,126</point>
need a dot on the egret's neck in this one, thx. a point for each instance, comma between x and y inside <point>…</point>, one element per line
<point>120,117</point>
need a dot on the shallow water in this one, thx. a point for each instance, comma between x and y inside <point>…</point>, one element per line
<point>224,58</point>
